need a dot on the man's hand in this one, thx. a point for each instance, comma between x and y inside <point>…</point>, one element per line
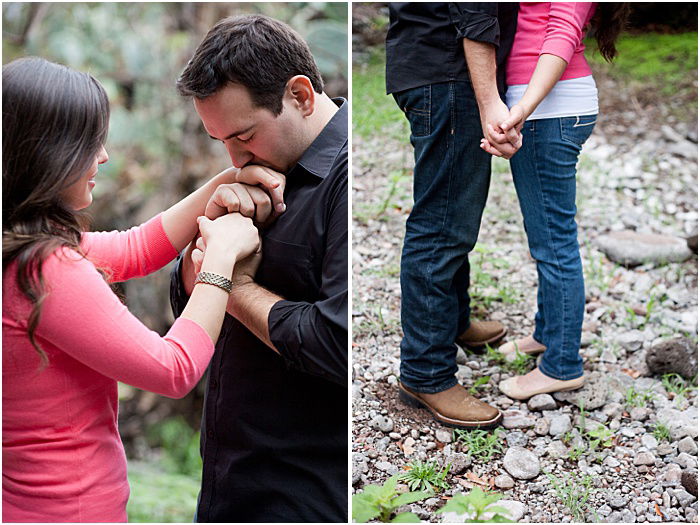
<point>498,141</point>
<point>244,271</point>
<point>501,135</point>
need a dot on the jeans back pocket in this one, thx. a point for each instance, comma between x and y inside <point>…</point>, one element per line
<point>577,129</point>
<point>415,103</point>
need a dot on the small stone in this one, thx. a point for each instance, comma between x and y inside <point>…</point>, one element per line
<point>382,423</point>
<point>644,458</point>
<point>443,436</point>
<point>684,497</point>
<point>521,463</point>
<point>409,446</point>
<point>687,445</point>
<point>504,481</point>
<point>664,449</point>
<point>670,474</point>
<point>649,442</point>
<point>591,395</point>
<point>387,467</point>
<point>630,248</point>
<point>542,427</point>
<point>616,501</point>
<point>639,413</point>
<point>691,515</point>
<point>611,462</point>
<point>516,439</point>
<point>516,419</point>
<point>631,341</point>
<point>559,425</point>
<point>394,435</point>
<point>686,460</point>
<point>458,462</point>
<point>541,402</point>
<point>557,449</point>
<point>689,480</point>
<point>359,467</point>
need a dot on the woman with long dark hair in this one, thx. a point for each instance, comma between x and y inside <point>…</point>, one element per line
<point>554,102</point>
<point>67,339</point>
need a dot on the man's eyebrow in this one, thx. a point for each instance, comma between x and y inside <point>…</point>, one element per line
<point>234,134</point>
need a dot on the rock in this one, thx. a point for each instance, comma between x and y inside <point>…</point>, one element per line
<point>686,460</point>
<point>664,449</point>
<point>458,462</point>
<point>671,474</point>
<point>689,480</point>
<point>559,425</point>
<point>617,501</point>
<point>677,355</point>
<point>687,445</point>
<point>443,436</point>
<point>516,439</point>
<point>693,243</point>
<point>541,402</point>
<point>557,449</point>
<point>517,419</point>
<point>359,466</point>
<point>644,458</point>
<point>630,248</point>
<point>639,413</point>
<point>592,394</point>
<point>684,148</point>
<point>683,497</point>
<point>521,463</point>
<point>631,341</point>
<point>587,339</point>
<point>504,481</point>
<point>649,442</point>
<point>382,423</point>
<point>542,427</point>
<point>387,467</point>
<point>611,462</point>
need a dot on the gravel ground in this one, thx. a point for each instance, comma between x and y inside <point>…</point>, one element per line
<point>638,172</point>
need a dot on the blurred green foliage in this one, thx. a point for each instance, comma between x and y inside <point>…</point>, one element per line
<point>180,444</point>
<point>667,61</point>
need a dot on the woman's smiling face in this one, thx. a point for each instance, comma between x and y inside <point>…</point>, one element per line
<point>79,194</point>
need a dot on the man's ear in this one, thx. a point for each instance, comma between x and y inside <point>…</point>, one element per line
<point>301,94</point>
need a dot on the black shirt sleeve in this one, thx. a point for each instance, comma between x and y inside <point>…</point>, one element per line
<point>178,297</point>
<point>476,21</point>
<point>312,336</point>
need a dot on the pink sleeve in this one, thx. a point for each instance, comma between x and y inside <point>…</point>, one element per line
<point>83,318</point>
<point>136,252</point>
<point>564,31</point>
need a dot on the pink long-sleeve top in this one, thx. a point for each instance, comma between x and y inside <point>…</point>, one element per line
<point>555,28</point>
<point>62,457</point>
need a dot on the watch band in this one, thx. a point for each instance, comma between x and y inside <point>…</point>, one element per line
<point>214,279</point>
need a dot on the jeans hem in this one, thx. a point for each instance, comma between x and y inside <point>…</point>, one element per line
<point>567,377</point>
<point>431,390</point>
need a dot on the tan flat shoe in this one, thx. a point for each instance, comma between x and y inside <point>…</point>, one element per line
<point>511,388</point>
<point>524,345</point>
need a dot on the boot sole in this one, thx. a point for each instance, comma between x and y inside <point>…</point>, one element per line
<point>416,402</point>
<point>480,345</point>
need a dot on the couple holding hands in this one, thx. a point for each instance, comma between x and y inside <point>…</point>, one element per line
<point>475,56</point>
<point>260,296</point>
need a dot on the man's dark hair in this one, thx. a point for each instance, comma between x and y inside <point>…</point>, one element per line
<point>255,51</point>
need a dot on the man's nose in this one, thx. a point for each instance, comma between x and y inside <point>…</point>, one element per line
<point>239,155</point>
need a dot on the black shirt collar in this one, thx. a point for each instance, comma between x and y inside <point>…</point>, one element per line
<point>318,158</point>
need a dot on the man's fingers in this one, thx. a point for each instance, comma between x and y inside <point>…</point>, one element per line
<point>514,138</point>
<point>272,181</point>
<point>494,136</point>
<point>488,148</point>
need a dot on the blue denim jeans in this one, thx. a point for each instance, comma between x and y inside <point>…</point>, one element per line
<point>544,172</point>
<point>450,186</point>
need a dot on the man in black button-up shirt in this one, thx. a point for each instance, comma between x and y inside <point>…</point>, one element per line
<point>445,70</point>
<point>274,431</point>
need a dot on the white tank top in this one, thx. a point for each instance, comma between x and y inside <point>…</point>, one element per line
<point>568,98</point>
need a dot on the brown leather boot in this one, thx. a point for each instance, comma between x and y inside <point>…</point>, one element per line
<point>481,333</point>
<point>454,407</point>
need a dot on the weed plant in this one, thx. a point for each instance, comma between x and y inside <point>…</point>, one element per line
<point>380,502</point>
<point>574,492</point>
<point>476,504</point>
<point>425,476</point>
<point>480,445</point>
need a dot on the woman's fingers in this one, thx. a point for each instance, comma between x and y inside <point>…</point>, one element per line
<point>488,148</point>
<point>197,257</point>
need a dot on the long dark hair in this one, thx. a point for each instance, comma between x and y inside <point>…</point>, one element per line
<point>54,120</point>
<point>609,20</point>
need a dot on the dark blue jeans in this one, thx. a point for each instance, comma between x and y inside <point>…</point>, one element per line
<point>544,172</point>
<point>450,186</point>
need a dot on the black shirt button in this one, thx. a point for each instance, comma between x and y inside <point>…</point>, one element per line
<point>210,433</point>
<point>213,384</point>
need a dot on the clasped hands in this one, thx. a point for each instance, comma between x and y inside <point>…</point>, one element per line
<point>502,128</point>
<point>256,194</point>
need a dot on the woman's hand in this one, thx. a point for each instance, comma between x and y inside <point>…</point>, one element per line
<point>512,124</point>
<point>231,236</point>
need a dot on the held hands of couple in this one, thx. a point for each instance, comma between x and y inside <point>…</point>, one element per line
<point>502,137</point>
<point>229,235</point>
<point>257,192</point>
